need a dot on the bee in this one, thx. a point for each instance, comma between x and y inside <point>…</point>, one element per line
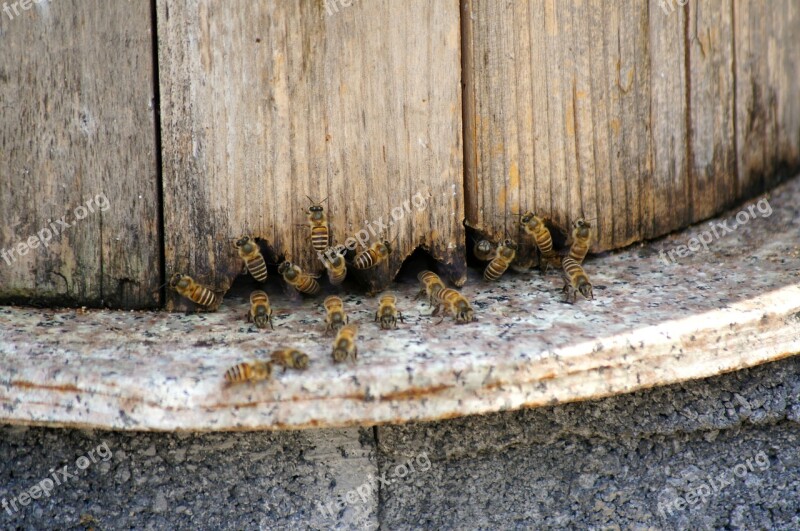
<point>260,311</point>
<point>344,346</point>
<point>575,280</point>
<point>388,313</point>
<point>377,253</point>
<point>506,252</point>
<point>581,240</point>
<point>253,259</point>
<point>289,358</point>
<point>193,291</point>
<point>335,264</point>
<point>247,371</point>
<point>431,285</point>
<point>483,250</point>
<point>295,277</point>
<point>534,226</point>
<point>318,223</point>
<point>456,304</point>
<point>335,318</point>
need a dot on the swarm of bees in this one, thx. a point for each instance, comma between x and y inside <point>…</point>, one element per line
<point>445,301</point>
<point>576,281</point>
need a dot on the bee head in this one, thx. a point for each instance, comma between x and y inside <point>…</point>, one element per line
<point>244,240</point>
<point>581,223</point>
<point>387,246</point>
<point>509,244</point>
<point>586,290</point>
<point>300,359</point>
<point>176,279</point>
<point>284,267</point>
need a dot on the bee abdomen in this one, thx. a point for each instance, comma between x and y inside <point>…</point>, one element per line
<point>364,260</point>
<point>494,270</point>
<point>336,277</point>
<point>258,268</point>
<point>319,238</point>
<point>571,267</point>
<point>545,242</point>
<point>308,286</point>
<point>238,373</point>
<point>578,251</point>
<point>204,297</point>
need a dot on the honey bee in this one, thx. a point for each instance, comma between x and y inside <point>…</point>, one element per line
<point>456,304</point>
<point>575,280</point>
<point>387,313</point>
<point>581,240</point>
<point>335,264</point>
<point>377,253</point>
<point>193,291</point>
<point>295,277</point>
<point>506,252</point>
<point>260,311</point>
<point>248,371</point>
<point>253,259</point>
<point>318,223</point>
<point>344,346</point>
<point>335,318</point>
<point>431,285</point>
<point>535,227</point>
<point>289,358</point>
<point>483,250</point>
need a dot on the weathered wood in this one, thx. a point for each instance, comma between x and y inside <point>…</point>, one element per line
<point>643,116</point>
<point>76,95</point>
<point>767,54</point>
<point>264,104</point>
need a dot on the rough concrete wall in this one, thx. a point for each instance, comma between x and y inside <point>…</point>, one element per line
<point>210,481</point>
<point>605,464</point>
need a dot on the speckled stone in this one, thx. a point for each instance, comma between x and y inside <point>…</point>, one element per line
<point>650,323</point>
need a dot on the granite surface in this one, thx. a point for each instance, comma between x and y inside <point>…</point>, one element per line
<point>651,323</point>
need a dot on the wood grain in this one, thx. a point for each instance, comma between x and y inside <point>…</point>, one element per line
<point>634,114</point>
<point>266,104</point>
<point>767,53</point>
<point>76,94</point>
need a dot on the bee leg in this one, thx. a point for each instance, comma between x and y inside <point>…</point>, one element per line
<point>272,326</point>
<point>400,315</point>
<point>436,310</point>
<point>376,318</point>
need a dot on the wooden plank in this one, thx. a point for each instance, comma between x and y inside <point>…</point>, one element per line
<point>550,86</point>
<point>77,139</point>
<point>266,103</point>
<point>767,70</point>
<point>626,112</point>
<point>712,146</point>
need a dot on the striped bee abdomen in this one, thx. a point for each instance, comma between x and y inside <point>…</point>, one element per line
<point>320,237</point>
<point>258,268</point>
